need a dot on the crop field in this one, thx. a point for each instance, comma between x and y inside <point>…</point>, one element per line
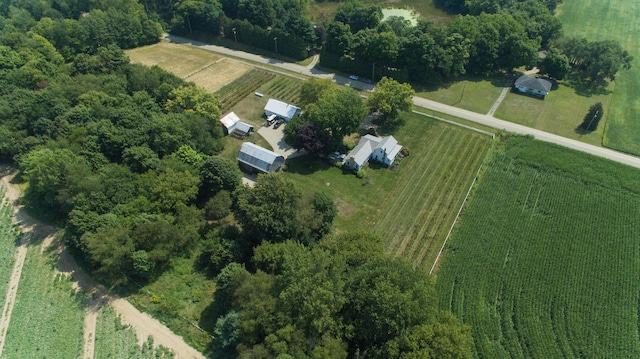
<point>47,318</point>
<point>283,88</point>
<point>616,20</point>
<point>181,60</point>
<point>115,340</point>
<point>561,112</point>
<point>216,76</point>
<point>544,262</point>
<point>9,235</point>
<point>413,207</point>
<point>473,93</point>
<point>234,92</point>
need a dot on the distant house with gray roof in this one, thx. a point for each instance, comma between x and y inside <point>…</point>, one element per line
<point>533,85</point>
<point>382,150</point>
<point>256,159</point>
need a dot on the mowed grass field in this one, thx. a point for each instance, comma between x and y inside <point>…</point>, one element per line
<point>9,236</point>
<point>181,60</point>
<point>411,208</point>
<point>544,262</point>
<point>223,72</point>
<point>47,317</point>
<point>561,112</point>
<point>616,20</point>
<point>471,93</point>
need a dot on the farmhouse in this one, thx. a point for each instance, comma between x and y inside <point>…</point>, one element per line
<point>382,150</point>
<point>231,125</point>
<point>281,109</point>
<point>533,85</point>
<point>253,158</point>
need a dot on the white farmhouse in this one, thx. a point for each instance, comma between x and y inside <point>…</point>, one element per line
<point>382,150</point>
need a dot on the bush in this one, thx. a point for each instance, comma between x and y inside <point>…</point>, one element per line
<point>362,173</point>
<point>404,151</point>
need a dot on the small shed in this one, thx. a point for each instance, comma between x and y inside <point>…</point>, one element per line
<point>533,85</point>
<point>253,158</point>
<point>231,125</point>
<point>281,109</point>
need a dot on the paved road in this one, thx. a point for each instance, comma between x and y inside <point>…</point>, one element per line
<point>428,104</point>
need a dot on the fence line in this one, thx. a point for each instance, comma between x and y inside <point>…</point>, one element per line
<point>455,220</point>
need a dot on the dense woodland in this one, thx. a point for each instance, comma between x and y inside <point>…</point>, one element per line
<point>124,157</point>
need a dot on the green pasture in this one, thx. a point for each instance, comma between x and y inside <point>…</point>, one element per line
<point>9,236</point>
<point>116,340</point>
<point>412,207</point>
<point>48,316</point>
<point>561,112</point>
<point>616,20</point>
<point>473,93</point>
<point>544,262</point>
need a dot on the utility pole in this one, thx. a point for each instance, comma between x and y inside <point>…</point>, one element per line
<point>234,35</point>
<point>373,72</point>
<point>275,41</point>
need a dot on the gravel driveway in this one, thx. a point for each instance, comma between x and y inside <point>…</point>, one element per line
<point>276,140</point>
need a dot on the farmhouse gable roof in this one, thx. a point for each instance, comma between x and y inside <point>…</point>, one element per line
<point>230,120</point>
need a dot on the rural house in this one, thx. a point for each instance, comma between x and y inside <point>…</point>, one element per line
<point>253,158</point>
<point>382,150</point>
<point>533,85</point>
<point>231,125</point>
<point>281,109</point>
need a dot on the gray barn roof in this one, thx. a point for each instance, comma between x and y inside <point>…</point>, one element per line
<point>258,157</point>
<point>534,83</point>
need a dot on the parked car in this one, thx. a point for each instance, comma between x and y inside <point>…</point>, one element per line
<point>278,123</point>
<point>353,77</point>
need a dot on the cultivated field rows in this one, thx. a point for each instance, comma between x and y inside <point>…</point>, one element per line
<point>545,266</point>
<point>9,235</point>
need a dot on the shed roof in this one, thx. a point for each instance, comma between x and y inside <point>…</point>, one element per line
<point>257,157</point>
<point>243,127</point>
<point>230,120</point>
<point>534,83</point>
<point>282,109</point>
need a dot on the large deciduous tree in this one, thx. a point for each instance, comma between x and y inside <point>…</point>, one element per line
<point>389,98</point>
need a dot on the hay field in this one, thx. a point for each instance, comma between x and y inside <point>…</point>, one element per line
<point>181,60</point>
<point>216,76</point>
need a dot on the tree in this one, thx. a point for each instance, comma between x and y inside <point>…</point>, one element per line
<point>312,89</point>
<point>555,64</point>
<point>219,206</point>
<point>593,117</point>
<point>217,174</point>
<point>308,137</point>
<point>111,250</point>
<point>337,113</point>
<point>390,98</point>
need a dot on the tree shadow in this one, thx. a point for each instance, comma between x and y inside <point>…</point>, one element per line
<point>586,87</point>
<point>310,165</point>
<point>582,131</point>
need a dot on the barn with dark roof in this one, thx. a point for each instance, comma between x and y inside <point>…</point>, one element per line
<point>253,158</point>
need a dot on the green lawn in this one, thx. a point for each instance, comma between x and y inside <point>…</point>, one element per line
<point>413,207</point>
<point>471,93</point>
<point>561,112</point>
<point>545,261</point>
<point>47,318</point>
<point>617,20</point>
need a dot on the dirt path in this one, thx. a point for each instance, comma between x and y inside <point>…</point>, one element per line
<point>142,323</point>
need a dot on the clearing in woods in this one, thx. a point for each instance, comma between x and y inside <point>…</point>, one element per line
<point>180,60</point>
<point>412,207</point>
<point>544,262</point>
<point>612,20</point>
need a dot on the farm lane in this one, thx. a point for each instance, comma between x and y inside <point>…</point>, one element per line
<point>142,323</point>
<point>425,103</point>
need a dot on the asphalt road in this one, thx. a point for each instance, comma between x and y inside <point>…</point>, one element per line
<point>427,104</point>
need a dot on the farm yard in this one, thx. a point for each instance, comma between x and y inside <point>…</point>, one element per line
<point>544,261</point>
<point>47,318</point>
<point>234,92</point>
<point>612,20</point>
<point>9,236</point>
<point>178,59</point>
<point>413,207</point>
<point>473,93</point>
